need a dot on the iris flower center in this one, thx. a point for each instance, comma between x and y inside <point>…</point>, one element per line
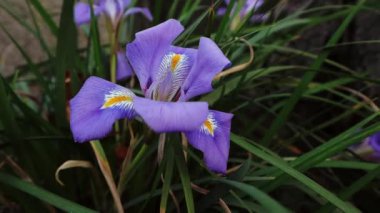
<point>175,59</point>
<point>172,73</point>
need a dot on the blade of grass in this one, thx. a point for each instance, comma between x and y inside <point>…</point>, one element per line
<point>328,149</point>
<point>66,59</point>
<point>231,84</point>
<point>42,194</point>
<point>167,178</point>
<point>7,116</point>
<point>45,16</point>
<point>269,204</point>
<point>107,173</point>
<point>95,48</point>
<point>308,77</point>
<point>225,22</point>
<point>39,36</point>
<point>285,168</point>
<point>355,187</point>
<point>29,61</point>
<point>184,175</point>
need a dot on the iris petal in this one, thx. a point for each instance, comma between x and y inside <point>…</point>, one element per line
<point>97,106</point>
<point>374,142</point>
<point>210,60</point>
<point>145,53</point>
<point>171,116</point>
<point>213,139</point>
<point>144,11</point>
<point>173,71</point>
<point>82,12</point>
<point>123,70</point>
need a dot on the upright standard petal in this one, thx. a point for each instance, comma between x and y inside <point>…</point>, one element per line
<point>210,60</point>
<point>123,69</point>
<point>145,53</point>
<point>143,10</point>
<point>173,70</point>
<point>171,116</point>
<point>97,106</point>
<point>213,139</point>
<point>82,12</point>
<point>114,10</point>
<point>251,5</point>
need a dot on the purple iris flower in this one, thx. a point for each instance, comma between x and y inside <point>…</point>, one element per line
<point>123,69</point>
<point>169,76</point>
<point>374,142</point>
<point>114,9</point>
<point>369,149</point>
<point>248,6</point>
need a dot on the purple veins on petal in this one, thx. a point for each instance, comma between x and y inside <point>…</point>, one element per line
<point>170,73</point>
<point>209,61</point>
<point>145,53</point>
<point>213,139</point>
<point>97,106</point>
<point>123,69</point>
<point>171,116</point>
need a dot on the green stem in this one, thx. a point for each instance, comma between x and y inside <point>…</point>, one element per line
<point>107,173</point>
<point>113,63</point>
<point>113,58</point>
<point>124,174</point>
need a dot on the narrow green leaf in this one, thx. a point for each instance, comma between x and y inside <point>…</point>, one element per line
<point>39,36</point>
<point>355,187</point>
<point>308,77</point>
<point>45,16</point>
<point>96,48</point>
<point>167,177</point>
<point>31,65</point>
<point>225,22</point>
<point>269,204</point>
<point>285,168</point>
<point>185,178</point>
<point>66,59</point>
<point>42,194</point>
<point>7,115</point>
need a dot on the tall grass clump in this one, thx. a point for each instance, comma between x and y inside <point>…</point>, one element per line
<point>104,120</point>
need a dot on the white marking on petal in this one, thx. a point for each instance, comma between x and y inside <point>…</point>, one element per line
<point>210,125</point>
<point>173,71</point>
<point>122,99</point>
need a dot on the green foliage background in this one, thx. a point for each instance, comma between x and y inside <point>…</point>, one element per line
<point>297,111</point>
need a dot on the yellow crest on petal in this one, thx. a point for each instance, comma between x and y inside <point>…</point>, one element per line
<point>209,125</point>
<point>116,100</point>
<point>175,59</point>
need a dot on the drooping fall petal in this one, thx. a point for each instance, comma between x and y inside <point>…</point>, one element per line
<point>213,139</point>
<point>209,61</point>
<point>97,106</point>
<point>171,116</point>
